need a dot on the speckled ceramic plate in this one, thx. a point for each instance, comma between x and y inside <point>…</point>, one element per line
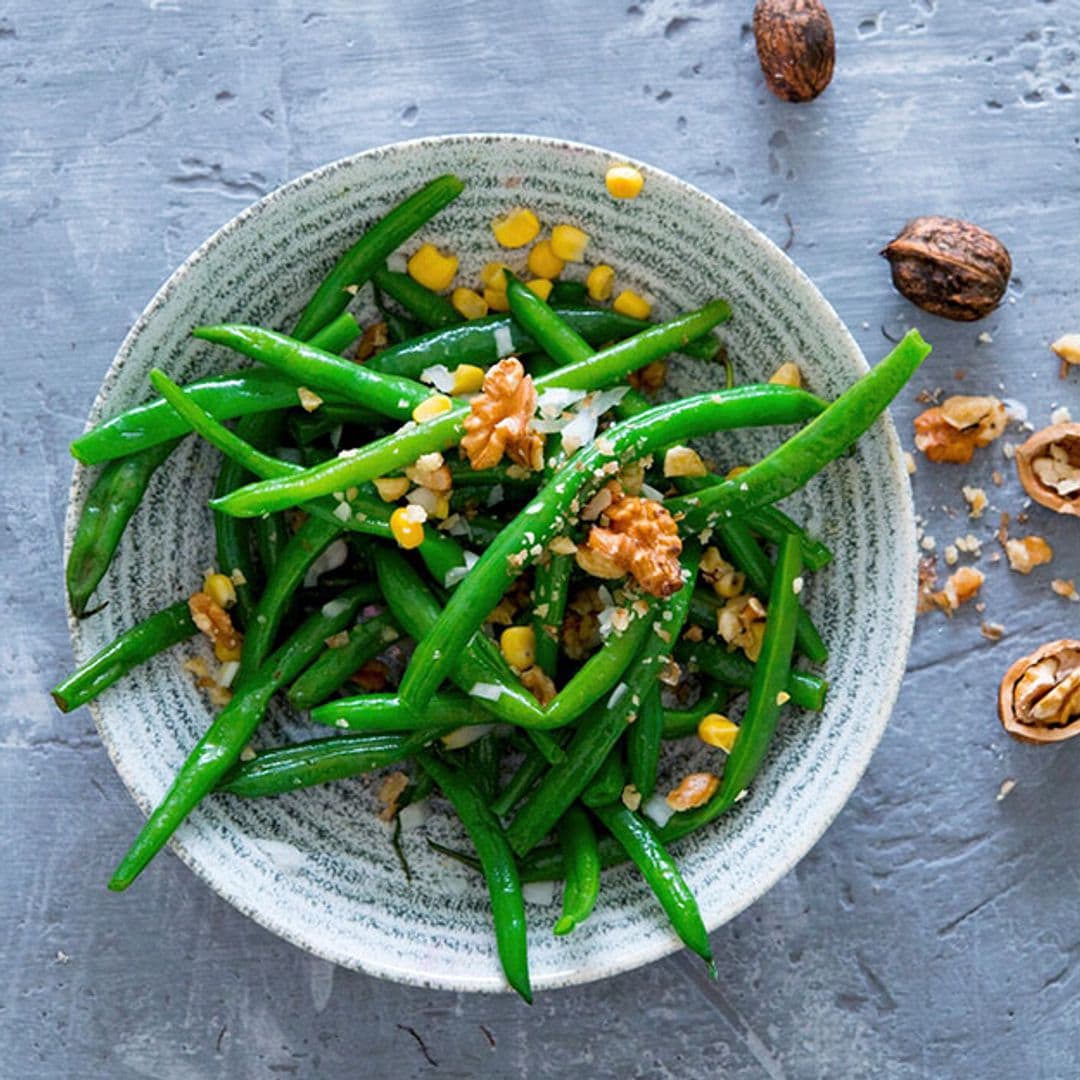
<point>316,867</point>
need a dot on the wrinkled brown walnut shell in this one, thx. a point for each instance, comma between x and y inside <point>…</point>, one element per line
<point>1039,699</point>
<point>949,267</point>
<point>1067,438</point>
<point>796,47</point>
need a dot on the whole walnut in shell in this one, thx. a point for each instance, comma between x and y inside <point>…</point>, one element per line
<point>796,47</point>
<point>949,267</point>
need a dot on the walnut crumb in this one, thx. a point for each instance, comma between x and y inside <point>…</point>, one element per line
<point>693,790</point>
<point>539,684</point>
<point>952,555</point>
<point>1065,588</point>
<point>309,400</point>
<point>909,463</point>
<point>1006,789</point>
<point>562,545</point>
<point>216,623</point>
<point>992,631</point>
<point>390,790</point>
<point>631,797</point>
<point>976,500</point>
<point>960,587</point>
<point>1027,552</point>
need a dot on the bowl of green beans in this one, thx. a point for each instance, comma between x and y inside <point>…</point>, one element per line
<point>490,564</point>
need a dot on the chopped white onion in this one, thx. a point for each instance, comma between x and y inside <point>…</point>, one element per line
<point>414,815</point>
<point>556,400</point>
<point>657,810</point>
<point>463,736</point>
<point>504,341</point>
<point>486,691</point>
<point>333,608</point>
<point>439,376</point>
<point>495,495</point>
<point>651,493</point>
<point>333,557</point>
<point>227,672</point>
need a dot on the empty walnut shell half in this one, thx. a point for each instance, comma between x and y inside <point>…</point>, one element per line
<point>1039,699</point>
<point>1049,467</point>
<point>796,47</point>
<point>949,267</point>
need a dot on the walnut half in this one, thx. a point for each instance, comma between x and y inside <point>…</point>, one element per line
<point>953,430</point>
<point>1049,467</point>
<point>500,420</point>
<point>1039,699</point>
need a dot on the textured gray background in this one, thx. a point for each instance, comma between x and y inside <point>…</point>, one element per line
<point>933,931</point>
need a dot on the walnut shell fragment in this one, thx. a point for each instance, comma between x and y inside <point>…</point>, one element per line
<point>949,267</point>
<point>1039,699</point>
<point>1049,467</point>
<point>796,47</point>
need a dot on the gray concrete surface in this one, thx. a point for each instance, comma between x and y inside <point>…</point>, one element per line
<point>934,930</point>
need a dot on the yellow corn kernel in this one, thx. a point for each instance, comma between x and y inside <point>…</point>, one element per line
<point>407,525</point>
<point>719,731</point>
<point>518,645</point>
<point>469,303</point>
<point>624,182</point>
<point>468,379</point>
<point>220,589</point>
<point>429,266</point>
<point>516,229</point>
<point>433,406</point>
<point>568,242</point>
<point>496,299</point>
<point>600,282</point>
<point>630,303</point>
<point>787,374</point>
<point>491,277</point>
<point>543,262</point>
<point>540,286</point>
<point>391,488</point>
<point>226,649</point>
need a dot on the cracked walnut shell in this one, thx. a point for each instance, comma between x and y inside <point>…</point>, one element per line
<point>953,430</point>
<point>640,537</point>
<point>1039,699</point>
<point>1049,467</point>
<point>500,420</point>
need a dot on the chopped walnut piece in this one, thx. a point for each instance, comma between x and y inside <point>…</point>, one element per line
<point>430,471</point>
<point>741,623</point>
<point>1049,467</point>
<point>683,461</point>
<point>976,500</point>
<point>959,588</point>
<point>642,538</point>
<point>694,633</point>
<point>953,430</point>
<point>597,564</point>
<point>501,417</point>
<point>909,463</point>
<point>1065,588</point>
<point>631,797</point>
<point>309,400</point>
<point>992,631</point>
<point>1028,552</point>
<point>650,378</point>
<point>928,578</point>
<point>562,545</point>
<point>390,790</point>
<point>581,626</point>
<point>725,580</point>
<point>216,623</point>
<point>374,339</point>
<point>787,374</point>
<point>1067,349</point>
<point>372,677</point>
<point>693,790</point>
<point>539,684</point>
<point>1039,699</point>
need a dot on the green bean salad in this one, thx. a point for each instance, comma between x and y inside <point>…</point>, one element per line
<point>472,541</point>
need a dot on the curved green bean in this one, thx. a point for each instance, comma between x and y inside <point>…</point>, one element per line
<point>430,308</point>
<point>581,860</point>
<point>643,744</point>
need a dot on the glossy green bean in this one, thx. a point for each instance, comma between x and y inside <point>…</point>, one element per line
<point>528,772</point>
<point>551,590</point>
<point>430,308</point>
<point>610,779</point>
<point>663,877</point>
<point>500,870</point>
<point>113,498</point>
<point>567,293</point>
<point>581,862</point>
<point>370,252</point>
<point>219,748</point>
<point>679,723</point>
<point>643,744</point>
<point>135,646</point>
<point>771,523</point>
<point>481,763</point>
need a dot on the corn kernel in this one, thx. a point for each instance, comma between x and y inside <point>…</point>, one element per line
<point>468,379</point>
<point>518,645</point>
<point>432,268</point>
<point>682,461</point>
<point>630,303</point>
<point>568,242</point>
<point>491,277</point>
<point>540,286</point>
<point>516,229</point>
<point>719,731</point>
<point>407,525</point>
<point>220,589</point>
<point>391,488</point>
<point>600,282</point>
<point>496,300</point>
<point>226,649</point>
<point>736,472</point>
<point>433,406</point>
<point>469,303</point>
<point>543,262</point>
<point>787,375</point>
<point>624,182</point>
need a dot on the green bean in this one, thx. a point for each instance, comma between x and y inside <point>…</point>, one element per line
<point>806,453</point>
<point>383,456</point>
<point>233,542</point>
<point>567,292</point>
<point>602,727</point>
<point>219,748</point>
<point>733,669</point>
<point>109,504</point>
<point>376,713</point>
<point>610,779</point>
<point>334,667</point>
<point>481,762</point>
<point>144,640</point>
<point>555,335</point>
<point>549,512</point>
<point>370,251</point>
<point>270,533</point>
<point>307,428</point>
<point>581,859</point>
<point>320,761</point>
<point>546,863</point>
<point>767,694</point>
<point>551,590</point>
<point>643,744</point>
<point>497,860</point>
<point>662,875</point>
<point>430,308</point>
<point>679,723</point>
<point>772,524</point>
<point>529,771</point>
